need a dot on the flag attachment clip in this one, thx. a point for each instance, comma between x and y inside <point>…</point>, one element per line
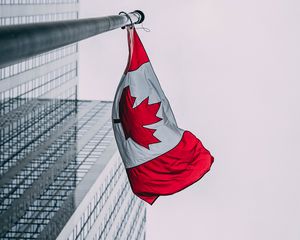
<point>137,14</point>
<point>127,15</point>
<point>116,120</point>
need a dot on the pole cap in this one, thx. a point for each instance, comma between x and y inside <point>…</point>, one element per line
<point>141,16</point>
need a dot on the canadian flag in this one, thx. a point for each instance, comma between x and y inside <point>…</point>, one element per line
<point>159,157</point>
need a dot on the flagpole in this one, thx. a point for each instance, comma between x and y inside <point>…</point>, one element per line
<point>26,40</point>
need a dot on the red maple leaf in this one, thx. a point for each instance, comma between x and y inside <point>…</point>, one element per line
<point>134,119</point>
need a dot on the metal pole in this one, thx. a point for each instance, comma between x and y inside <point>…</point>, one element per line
<point>18,42</point>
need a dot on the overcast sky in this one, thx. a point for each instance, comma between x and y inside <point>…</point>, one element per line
<point>231,72</point>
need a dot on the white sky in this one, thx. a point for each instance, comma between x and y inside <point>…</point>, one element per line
<point>231,72</point>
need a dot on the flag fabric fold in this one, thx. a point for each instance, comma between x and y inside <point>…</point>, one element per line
<point>159,157</point>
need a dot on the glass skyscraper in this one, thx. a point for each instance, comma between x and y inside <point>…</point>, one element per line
<point>61,176</point>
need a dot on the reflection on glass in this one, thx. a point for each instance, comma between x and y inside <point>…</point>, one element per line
<point>38,153</point>
<point>41,163</point>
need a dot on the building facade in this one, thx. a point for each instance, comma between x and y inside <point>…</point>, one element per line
<point>107,209</point>
<point>60,173</point>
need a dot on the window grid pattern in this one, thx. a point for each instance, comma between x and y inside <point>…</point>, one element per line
<point>37,61</point>
<point>33,171</point>
<point>100,199</point>
<point>38,130</point>
<point>107,224</point>
<point>43,209</point>
<point>141,232</point>
<point>93,150</point>
<point>36,88</point>
<point>49,123</point>
<point>24,114</point>
<point>134,222</point>
<point>119,233</point>
<point>51,201</point>
<point>35,2</point>
<point>24,137</point>
<point>50,17</point>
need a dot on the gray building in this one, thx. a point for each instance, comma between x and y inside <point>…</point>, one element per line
<point>60,173</point>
